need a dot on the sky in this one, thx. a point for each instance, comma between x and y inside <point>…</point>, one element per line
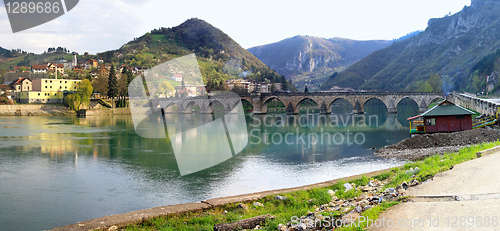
<point>101,25</point>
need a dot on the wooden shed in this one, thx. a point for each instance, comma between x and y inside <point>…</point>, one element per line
<point>444,117</point>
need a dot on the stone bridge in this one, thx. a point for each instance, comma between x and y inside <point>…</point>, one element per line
<point>292,101</point>
<point>483,106</point>
<point>325,100</point>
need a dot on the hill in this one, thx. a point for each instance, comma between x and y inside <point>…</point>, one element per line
<point>449,47</point>
<point>305,59</point>
<point>220,57</point>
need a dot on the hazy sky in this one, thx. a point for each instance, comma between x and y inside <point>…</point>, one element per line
<point>100,25</point>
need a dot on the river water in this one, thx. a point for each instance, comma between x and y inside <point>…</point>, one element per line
<point>56,171</point>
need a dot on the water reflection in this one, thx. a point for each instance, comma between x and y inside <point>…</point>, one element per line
<point>54,166</point>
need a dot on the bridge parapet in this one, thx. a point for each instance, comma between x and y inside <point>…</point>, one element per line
<point>483,106</point>
<point>292,101</point>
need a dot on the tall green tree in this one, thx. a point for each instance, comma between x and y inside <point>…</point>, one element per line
<point>436,82</point>
<point>84,91</point>
<point>112,83</point>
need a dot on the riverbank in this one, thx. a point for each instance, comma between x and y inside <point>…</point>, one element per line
<point>425,145</point>
<point>55,110</point>
<point>332,201</point>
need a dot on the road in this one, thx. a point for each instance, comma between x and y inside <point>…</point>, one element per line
<point>464,198</point>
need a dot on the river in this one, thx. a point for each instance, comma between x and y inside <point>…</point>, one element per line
<point>57,171</point>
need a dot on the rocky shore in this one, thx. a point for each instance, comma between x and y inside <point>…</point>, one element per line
<point>348,210</point>
<point>421,146</point>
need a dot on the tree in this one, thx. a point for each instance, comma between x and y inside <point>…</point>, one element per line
<point>73,101</point>
<point>100,84</point>
<point>112,83</point>
<point>436,82</point>
<point>84,91</point>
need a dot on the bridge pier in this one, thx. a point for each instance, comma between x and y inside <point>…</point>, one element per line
<point>357,108</point>
<point>392,110</point>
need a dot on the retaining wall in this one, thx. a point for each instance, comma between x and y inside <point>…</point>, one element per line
<point>35,110</point>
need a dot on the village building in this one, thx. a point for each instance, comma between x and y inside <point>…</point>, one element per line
<point>444,117</point>
<point>47,91</point>
<point>37,69</point>
<point>176,77</point>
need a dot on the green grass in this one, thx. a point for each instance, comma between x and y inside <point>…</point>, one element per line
<point>301,202</point>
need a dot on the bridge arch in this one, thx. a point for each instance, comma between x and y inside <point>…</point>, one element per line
<point>216,105</point>
<point>190,105</point>
<point>243,103</point>
<point>268,100</point>
<point>407,97</point>
<point>296,107</point>
<point>436,99</point>
<point>371,100</point>
<point>172,108</point>
<point>331,103</point>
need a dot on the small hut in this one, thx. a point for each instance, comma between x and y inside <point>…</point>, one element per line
<point>444,117</point>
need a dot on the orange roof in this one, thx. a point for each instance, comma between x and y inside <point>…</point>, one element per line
<point>20,80</point>
<point>38,67</point>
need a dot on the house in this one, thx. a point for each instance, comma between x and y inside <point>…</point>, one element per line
<point>47,91</point>
<point>444,117</point>
<point>36,69</point>
<point>123,67</point>
<point>54,85</point>
<point>176,77</point>
<point>53,67</point>
<point>92,63</point>
<point>140,70</point>
<point>40,97</point>
<point>191,90</point>
<point>22,84</point>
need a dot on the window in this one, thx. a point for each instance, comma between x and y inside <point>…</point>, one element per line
<point>38,94</point>
<point>430,122</point>
<point>65,81</point>
<point>45,86</point>
<point>45,81</point>
<point>50,81</point>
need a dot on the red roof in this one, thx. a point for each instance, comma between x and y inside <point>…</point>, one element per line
<point>177,75</point>
<point>38,67</point>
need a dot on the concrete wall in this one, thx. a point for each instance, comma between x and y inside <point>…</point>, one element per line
<point>34,110</point>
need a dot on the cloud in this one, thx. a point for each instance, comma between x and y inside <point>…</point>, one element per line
<point>92,26</point>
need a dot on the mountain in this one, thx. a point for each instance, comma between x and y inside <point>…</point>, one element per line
<point>220,57</point>
<point>449,47</point>
<point>311,60</point>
